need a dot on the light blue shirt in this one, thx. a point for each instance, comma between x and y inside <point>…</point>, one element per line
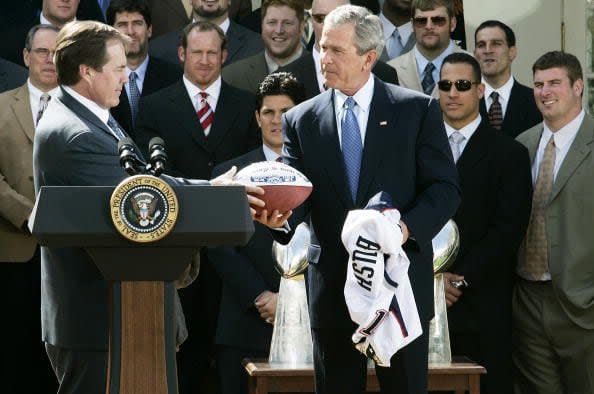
<point>422,61</point>
<point>140,74</point>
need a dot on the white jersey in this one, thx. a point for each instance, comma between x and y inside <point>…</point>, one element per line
<point>377,291</point>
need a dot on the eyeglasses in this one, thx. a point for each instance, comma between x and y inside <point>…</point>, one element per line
<point>42,52</point>
<point>462,85</point>
<point>319,18</point>
<point>421,21</point>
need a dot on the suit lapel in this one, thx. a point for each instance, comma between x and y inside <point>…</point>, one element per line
<point>410,75</point>
<point>579,149</point>
<point>258,70</point>
<point>21,107</point>
<point>329,147</point>
<point>222,122</point>
<point>83,112</point>
<point>182,104</point>
<point>381,120</point>
<point>475,150</point>
<point>514,109</point>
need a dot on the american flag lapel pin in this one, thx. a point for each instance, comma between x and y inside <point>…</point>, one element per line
<point>383,123</point>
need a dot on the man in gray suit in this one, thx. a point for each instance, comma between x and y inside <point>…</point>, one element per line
<point>76,145</point>
<point>552,306</point>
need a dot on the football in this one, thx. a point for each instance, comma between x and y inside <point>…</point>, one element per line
<point>285,188</point>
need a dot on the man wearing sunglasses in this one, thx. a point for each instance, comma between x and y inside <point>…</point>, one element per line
<point>433,22</point>
<point>494,173</point>
<point>508,105</point>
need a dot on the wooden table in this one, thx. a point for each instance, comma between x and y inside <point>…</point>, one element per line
<point>264,378</point>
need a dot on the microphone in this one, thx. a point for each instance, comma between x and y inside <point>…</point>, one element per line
<point>158,156</point>
<point>128,157</point>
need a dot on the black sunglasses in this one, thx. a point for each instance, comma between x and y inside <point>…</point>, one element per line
<point>462,85</point>
<point>421,21</point>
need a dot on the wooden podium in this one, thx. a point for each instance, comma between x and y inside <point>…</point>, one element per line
<point>142,329</point>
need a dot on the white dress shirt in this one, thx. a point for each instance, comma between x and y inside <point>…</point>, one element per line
<point>269,153</point>
<point>363,99</point>
<point>318,63</point>
<point>35,96</point>
<point>504,94</point>
<point>213,91</point>
<point>467,131</point>
<point>44,21</point>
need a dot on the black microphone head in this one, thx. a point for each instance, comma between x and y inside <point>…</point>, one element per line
<point>156,141</point>
<point>125,143</point>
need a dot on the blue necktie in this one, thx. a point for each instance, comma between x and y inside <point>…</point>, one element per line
<point>103,4</point>
<point>352,147</point>
<point>115,128</point>
<point>428,82</point>
<point>134,95</point>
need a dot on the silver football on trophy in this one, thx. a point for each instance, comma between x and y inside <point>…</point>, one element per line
<point>290,260</point>
<point>445,247</point>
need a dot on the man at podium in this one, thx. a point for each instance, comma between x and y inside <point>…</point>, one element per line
<point>76,144</point>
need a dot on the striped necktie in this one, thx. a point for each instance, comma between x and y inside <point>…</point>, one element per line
<point>495,114</point>
<point>43,102</point>
<point>205,113</point>
<point>428,82</point>
<point>134,95</point>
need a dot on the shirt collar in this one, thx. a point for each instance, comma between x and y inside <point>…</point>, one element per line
<point>504,91</point>
<point>404,30</point>
<point>422,61</point>
<point>44,21</point>
<point>213,90</point>
<point>140,70</point>
<point>467,131</point>
<point>36,93</point>
<point>269,153</point>
<point>362,97</point>
<point>565,134</point>
<point>101,113</point>
<point>273,66</point>
<point>387,25</point>
<point>224,24</point>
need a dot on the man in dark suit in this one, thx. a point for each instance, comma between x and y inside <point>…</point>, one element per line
<point>494,172</point>
<point>358,138</point>
<point>146,74</point>
<point>212,122</point>
<point>11,75</point>
<point>250,281</point>
<point>241,42</point>
<point>508,105</point>
<point>308,69</point>
<point>282,26</point>
<point>75,146</point>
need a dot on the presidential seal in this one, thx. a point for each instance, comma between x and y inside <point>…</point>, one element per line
<point>143,208</point>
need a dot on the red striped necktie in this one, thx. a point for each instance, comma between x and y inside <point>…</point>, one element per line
<point>205,113</point>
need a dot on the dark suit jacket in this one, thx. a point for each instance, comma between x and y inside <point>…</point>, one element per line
<point>159,74</point>
<point>521,113</point>
<point>245,273</point>
<point>495,179</point>
<point>11,75</point>
<point>72,147</point>
<point>241,43</point>
<point>406,154</point>
<point>304,70</point>
<point>167,16</point>
<point>169,114</point>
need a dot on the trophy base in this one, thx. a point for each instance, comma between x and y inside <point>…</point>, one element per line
<point>439,333</point>
<point>291,336</point>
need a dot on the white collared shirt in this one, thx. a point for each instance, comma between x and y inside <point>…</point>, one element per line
<point>140,74</point>
<point>467,131</point>
<point>273,66</point>
<point>504,94</point>
<point>318,64</point>
<point>404,31</point>
<point>35,96</point>
<point>224,24</point>
<point>363,100</point>
<point>44,21</point>
<point>269,153</point>
<point>214,90</point>
<point>422,61</point>
<point>101,113</point>
<point>563,139</point>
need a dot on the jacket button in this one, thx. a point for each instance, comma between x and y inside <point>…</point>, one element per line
<point>210,164</point>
